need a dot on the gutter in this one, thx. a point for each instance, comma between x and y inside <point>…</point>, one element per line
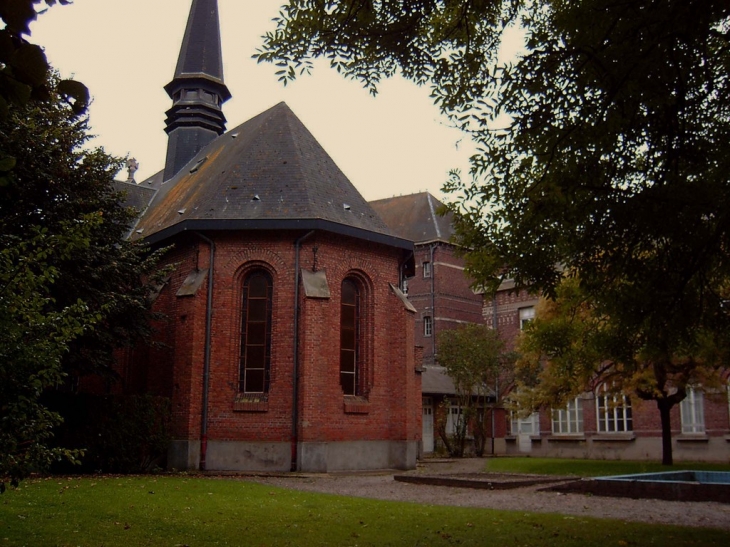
<point>206,364</point>
<point>295,372</point>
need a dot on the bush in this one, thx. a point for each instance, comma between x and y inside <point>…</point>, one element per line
<point>119,434</point>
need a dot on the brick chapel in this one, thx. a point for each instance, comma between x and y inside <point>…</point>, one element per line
<point>286,342</point>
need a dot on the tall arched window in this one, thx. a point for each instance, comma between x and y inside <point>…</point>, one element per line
<point>256,333</point>
<point>350,354</point>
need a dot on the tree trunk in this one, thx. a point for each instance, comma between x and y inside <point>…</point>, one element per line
<point>664,407</point>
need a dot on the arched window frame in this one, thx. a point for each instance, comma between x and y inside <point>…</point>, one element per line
<point>255,334</point>
<point>351,336</point>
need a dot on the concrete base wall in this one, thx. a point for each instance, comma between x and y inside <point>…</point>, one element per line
<point>312,457</point>
<point>183,455</point>
<point>357,455</point>
<point>710,449</point>
<point>248,456</point>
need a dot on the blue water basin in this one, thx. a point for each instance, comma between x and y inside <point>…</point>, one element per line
<point>694,477</point>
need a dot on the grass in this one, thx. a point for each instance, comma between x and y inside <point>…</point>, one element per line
<point>182,511</point>
<point>590,468</point>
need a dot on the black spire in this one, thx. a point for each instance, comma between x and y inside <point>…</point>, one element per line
<point>197,89</point>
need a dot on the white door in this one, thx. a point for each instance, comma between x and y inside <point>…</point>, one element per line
<point>427,433</point>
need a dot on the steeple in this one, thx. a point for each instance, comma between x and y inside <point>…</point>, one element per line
<point>197,90</point>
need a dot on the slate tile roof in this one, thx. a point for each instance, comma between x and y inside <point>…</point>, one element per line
<point>200,53</point>
<point>414,217</point>
<point>269,172</point>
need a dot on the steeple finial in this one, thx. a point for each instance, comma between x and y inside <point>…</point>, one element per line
<point>197,89</point>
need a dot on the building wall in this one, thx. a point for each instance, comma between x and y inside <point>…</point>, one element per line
<point>643,443</point>
<point>257,432</point>
<point>446,296</point>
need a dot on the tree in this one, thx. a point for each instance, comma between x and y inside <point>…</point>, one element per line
<point>33,338</point>
<point>572,346</point>
<point>474,358</point>
<point>600,149</point>
<point>56,182</point>
<point>71,286</point>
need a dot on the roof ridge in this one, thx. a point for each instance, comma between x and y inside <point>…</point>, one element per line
<point>433,215</point>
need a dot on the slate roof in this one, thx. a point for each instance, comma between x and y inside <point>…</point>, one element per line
<point>135,195</point>
<point>434,380</point>
<point>414,217</point>
<point>200,52</point>
<point>267,173</point>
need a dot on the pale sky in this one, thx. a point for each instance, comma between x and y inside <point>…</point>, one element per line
<point>125,51</point>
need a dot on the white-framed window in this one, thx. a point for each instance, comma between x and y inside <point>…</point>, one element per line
<point>529,425</point>
<point>426,269</point>
<point>427,326</point>
<point>692,411</point>
<point>613,412</point>
<point>569,420</point>
<point>452,419</point>
<point>526,315</point>
<point>404,286</point>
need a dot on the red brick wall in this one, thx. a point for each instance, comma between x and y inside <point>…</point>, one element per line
<point>645,416</point>
<point>391,409</point>
<point>448,291</point>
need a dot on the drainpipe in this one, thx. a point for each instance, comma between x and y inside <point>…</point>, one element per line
<point>496,383</point>
<point>402,270</point>
<point>295,372</point>
<point>206,365</point>
<point>433,304</point>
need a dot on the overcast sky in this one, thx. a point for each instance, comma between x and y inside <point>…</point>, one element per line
<point>125,51</point>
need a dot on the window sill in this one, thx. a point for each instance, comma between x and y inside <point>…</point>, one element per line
<point>566,438</point>
<point>356,405</point>
<point>513,438</point>
<point>614,437</point>
<point>251,403</point>
<point>693,438</point>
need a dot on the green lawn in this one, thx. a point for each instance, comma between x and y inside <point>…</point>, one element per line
<point>589,468</point>
<point>177,511</point>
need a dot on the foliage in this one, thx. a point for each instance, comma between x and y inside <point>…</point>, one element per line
<point>119,433</point>
<point>589,468</point>
<point>24,70</point>
<point>54,182</point>
<point>71,283</point>
<point>475,360</point>
<point>600,149</point>
<point>34,336</point>
<point>574,345</point>
<point>181,510</point>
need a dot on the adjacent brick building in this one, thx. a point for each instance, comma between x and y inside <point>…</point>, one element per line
<point>606,427</point>
<point>287,342</point>
<point>440,291</point>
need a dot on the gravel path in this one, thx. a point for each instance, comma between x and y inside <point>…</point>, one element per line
<point>380,485</point>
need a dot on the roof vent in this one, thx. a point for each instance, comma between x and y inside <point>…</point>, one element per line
<point>256,198</point>
<point>346,206</point>
<point>234,135</point>
<point>140,230</point>
<point>181,212</point>
<point>198,164</point>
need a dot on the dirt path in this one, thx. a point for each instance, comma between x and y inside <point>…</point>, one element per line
<point>381,485</point>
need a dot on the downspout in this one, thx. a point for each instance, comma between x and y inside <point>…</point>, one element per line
<point>295,372</point>
<point>402,269</point>
<point>433,304</point>
<point>496,383</point>
<point>206,365</point>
